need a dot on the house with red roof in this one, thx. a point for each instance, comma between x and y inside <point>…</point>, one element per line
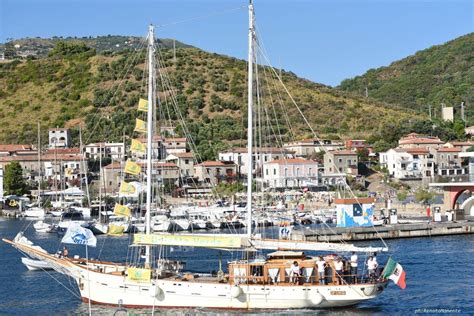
<point>294,173</point>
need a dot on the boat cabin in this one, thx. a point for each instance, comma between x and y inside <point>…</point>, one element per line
<point>276,270</point>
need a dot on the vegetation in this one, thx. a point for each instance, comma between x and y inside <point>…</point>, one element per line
<point>93,83</point>
<point>438,75</point>
<point>423,196</point>
<point>13,182</point>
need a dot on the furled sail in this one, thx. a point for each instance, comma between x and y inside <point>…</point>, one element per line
<point>242,242</point>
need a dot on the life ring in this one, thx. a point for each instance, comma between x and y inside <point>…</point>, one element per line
<point>12,203</point>
<point>235,291</point>
<point>317,298</point>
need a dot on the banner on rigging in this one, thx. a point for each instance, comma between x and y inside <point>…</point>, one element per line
<point>143,105</point>
<point>76,234</point>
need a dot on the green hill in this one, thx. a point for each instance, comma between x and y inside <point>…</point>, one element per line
<point>442,74</point>
<point>78,85</point>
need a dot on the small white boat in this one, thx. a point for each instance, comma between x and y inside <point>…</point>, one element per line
<point>42,227</point>
<point>36,212</point>
<point>35,265</point>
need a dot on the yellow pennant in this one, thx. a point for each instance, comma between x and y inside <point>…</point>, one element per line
<point>127,188</point>
<point>140,126</point>
<point>143,105</point>
<point>115,230</point>
<point>132,168</point>
<point>68,172</point>
<point>138,274</point>
<point>137,146</point>
<point>121,210</point>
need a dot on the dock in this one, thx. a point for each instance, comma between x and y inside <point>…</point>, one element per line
<point>431,229</point>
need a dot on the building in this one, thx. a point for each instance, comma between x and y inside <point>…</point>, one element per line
<point>308,147</point>
<point>115,151</point>
<point>408,163</point>
<point>339,162</point>
<point>415,140</point>
<point>239,156</point>
<point>447,113</point>
<point>469,130</point>
<point>358,144</point>
<point>290,173</point>
<point>185,163</point>
<point>112,176</point>
<point>16,150</point>
<point>59,138</point>
<point>449,163</point>
<point>214,172</point>
<point>464,146</point>
<point>174,145</point>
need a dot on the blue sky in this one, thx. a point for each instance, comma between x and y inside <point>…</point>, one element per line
<point>322,40</point>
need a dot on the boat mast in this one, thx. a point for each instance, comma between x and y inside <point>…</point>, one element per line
<point>39,166</point>
<point>151,79</point>
<point>250,122</point>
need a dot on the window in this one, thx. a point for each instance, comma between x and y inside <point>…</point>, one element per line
<point>266,172</point>
<point>297,172</point>
<point>309,172</point>
<point>286,172</point>
<point>186,161</point>
<point>177,144</point>
<point>340,169</point>
<point>340,160</point>
<point>265,158</point>
<point>274,171</point>
<point>208,170</point>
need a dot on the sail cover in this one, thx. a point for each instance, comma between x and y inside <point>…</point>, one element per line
<point>192,240</point>
<point>242,242</point>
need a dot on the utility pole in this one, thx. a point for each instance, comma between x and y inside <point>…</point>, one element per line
<point>462,112</point>
<point>366,92</point>
<point>429,110</point>
<point>174,51</point>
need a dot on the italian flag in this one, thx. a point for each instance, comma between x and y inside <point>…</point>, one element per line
<point>394,271</point>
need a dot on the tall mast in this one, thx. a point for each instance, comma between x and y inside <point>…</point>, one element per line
<point>151,79</point>
<point>39,165</point>
<point>100,182</point>
<point>250,122</point>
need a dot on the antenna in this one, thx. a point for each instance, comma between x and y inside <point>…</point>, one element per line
<point>462,112</point>
<point>366,91</point>
<point>174,51</point>
<point>429,110</point>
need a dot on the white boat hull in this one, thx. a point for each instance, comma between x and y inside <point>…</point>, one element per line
<point>35,265</point>
<point>111,290</point>
<point>34,212</point>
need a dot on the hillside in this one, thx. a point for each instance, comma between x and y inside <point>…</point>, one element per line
<point>40,47</point>
<point>76,85</point>
<point>439,74</point>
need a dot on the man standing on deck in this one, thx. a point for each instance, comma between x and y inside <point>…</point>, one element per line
<point>339,265</point>
<point>321,265</point>
<point>354,259</point>
<point>371,266</point>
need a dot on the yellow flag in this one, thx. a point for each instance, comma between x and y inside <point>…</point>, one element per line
<point>121,210</point>
<point>115,230</point>
<point>138,274</point>
<point>68,172</point>
<point>132,168</point>
<point>127,188</point>
<point>137,146</point>
<point>143,105</point>
<point>140,126</point>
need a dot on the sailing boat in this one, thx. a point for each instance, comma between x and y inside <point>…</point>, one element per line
<point>251,283</point>
<point>37,211</point>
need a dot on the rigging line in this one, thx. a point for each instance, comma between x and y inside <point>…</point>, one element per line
<point>201,17</point>
<point>183,123</point>
<point>100,108</point>
<point>314,133</point>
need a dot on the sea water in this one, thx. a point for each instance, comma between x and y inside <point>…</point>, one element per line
<point>440,277</point>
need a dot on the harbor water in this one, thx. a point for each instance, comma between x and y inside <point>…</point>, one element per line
<point>440,277</point>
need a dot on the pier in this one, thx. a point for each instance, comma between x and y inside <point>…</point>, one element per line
<point>431,229</point>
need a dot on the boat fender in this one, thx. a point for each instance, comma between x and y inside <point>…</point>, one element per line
<point>236,291</point>
<point>317,299</point>
<point>368,292</point>
<point>158,291</point>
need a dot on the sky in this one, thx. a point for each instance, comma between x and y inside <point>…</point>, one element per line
<point>325,41</point>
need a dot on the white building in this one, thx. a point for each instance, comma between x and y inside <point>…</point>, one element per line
<point>308,147</point>
<point>185,163</point>
<point>262,155</point>
<point>409,163</point>
<point>174,145</point>
<point>415,140</point>
<point>59,137</point>
<point>214,172</point>
<point>290,173</point>
<point>116,151</point>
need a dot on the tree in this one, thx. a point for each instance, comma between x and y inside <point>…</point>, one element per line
<point>381,146</point>
<point>423,196</point>
<point>13,179</point>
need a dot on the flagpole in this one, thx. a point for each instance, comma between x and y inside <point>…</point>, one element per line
<point>88,281</point>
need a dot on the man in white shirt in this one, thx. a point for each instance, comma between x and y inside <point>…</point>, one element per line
<point>354,260</point>
<point>339,266</point>
<point>321,270</point>
<point>371,266</point>
<point>295,272</point>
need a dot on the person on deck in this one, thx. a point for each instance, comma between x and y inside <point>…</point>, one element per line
<point>339,266</point>
<point>371,266</point>
<point>321,269</point>
<point>65,252</point>
<point>354,260</point>
<point>295,272</point>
